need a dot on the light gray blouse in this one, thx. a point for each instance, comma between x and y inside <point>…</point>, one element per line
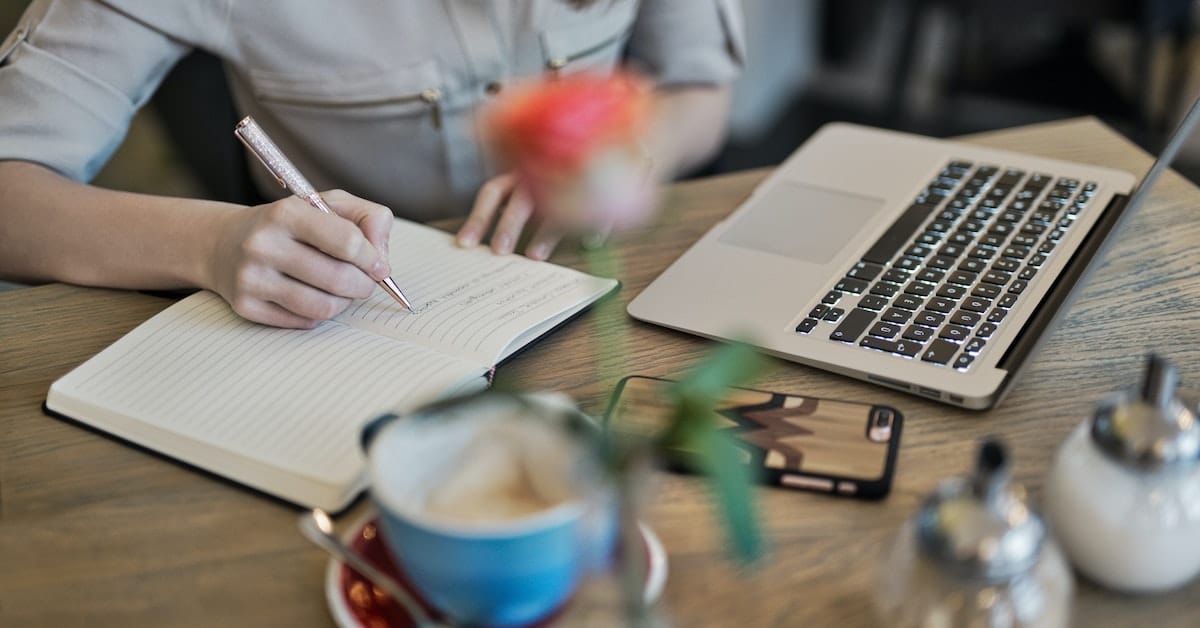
<point>374,96</point>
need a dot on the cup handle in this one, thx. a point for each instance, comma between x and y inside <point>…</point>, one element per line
<point>372,428</point>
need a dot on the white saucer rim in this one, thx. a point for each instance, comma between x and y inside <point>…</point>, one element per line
<point>656,574</point>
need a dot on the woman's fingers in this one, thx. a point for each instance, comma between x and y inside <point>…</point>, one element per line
<point>338,238</point>
<point>491,197</point>
<point>516,213</point>
<point>544,240</point>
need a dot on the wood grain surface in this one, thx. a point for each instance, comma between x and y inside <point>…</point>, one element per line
<point>94,532</point>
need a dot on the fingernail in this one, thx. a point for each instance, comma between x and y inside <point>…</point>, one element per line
<point>503,244</point>
<point>380,269</point>
<point>468,239</point>
<point>539,251</point>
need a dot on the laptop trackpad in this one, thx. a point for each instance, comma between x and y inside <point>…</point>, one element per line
<point>800,221</point>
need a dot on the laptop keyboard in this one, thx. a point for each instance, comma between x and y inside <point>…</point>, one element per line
<point>941,281</point>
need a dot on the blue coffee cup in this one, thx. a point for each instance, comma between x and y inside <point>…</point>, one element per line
<point>495,572</point>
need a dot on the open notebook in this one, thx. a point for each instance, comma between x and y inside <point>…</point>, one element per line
<point>280,410</point>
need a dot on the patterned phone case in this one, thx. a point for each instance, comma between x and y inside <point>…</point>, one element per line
<point>840,447</point>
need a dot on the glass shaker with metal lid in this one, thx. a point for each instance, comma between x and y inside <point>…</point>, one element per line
<point>975,556</point>
<point>1123,495</point>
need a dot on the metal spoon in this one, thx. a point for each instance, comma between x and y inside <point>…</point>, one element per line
<point>318,528</point>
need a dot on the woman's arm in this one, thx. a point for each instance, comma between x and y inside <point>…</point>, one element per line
<point>283,263</point>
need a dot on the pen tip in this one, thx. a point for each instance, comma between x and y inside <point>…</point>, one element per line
<point>391,288</point>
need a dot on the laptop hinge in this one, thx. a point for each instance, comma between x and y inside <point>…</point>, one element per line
<point>1063,289</point>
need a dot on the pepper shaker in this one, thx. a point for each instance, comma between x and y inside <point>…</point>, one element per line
<point>1123,495</point>
<point>975,556</point>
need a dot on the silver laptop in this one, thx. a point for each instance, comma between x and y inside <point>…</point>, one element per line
<point>924,265</point>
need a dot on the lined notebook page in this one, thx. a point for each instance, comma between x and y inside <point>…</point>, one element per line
<point>470,302</point>
<point>198,374</point>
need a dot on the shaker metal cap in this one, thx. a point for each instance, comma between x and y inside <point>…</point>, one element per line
<point>1151,429</point>
<point>979,527</point>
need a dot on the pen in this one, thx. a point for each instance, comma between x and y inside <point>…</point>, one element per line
<point>256,139</point>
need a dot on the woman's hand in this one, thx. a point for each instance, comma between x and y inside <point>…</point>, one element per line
<point>290,265</point>
<point>504,201</point>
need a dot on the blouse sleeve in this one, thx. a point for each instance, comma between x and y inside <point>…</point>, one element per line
<point>681,42</point>
<point>72,75</point>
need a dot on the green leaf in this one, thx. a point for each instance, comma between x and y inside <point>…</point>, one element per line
<point>712,451</point>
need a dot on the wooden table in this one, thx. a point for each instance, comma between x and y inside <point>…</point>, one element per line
<point>96,533</point>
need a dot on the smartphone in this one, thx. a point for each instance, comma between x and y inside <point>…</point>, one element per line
<point>841,447</point>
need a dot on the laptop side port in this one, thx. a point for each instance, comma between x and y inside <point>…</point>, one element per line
<point>889,382</point>
<point>929,392</point>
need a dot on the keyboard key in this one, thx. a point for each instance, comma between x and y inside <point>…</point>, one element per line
<point>1033,228</point>
<point>1005,264</point>
<point>834,314</point>
<point>974,226</point>
<point>951,291</point>
<point>941,262</point>
<point>986,291</point>
<point>963,361</point>
<point>895,275</point>
<point>941,305</point>
<point>873,302</point>
<point>906,263</point>
<point>918,333</point>
<point>1054,236</point>
<point>954,332</point>
<point>885,330</point>
<point>985,330</point>
<point>901,347</point>
<point>819,311</point>
<point>929,319</point>
<point>929,238</point>
<point>961,238</point>
<point>975,345</point>
<point>831,297</point>
<point>1024,239</point>
<point>850,284</point>
<point>1037,260</point>
<point>897,235</point>
<point>885,289</point>
<point>996,277</point>
<point>940,351</point>
<point>806,325</point>
<point>917,250</point>
<point>1001,229</point>
<point>908,302</point>
<point>960,165</point>
<point>1008,300</point>
<point>997,315</point>
<point>940,225</point>
<point>1046,247</point>
<point>992,239</point>
<point>987,172</point>
<point>919,289</point>
<point>1027,273</point>
<point>962,278</point>
<point>972,265</point>
<point>983,253</point>
<point>1016,252</point>
<point>951,250</point>
<point>930,275</point>
<point>896,315</point>
<point>976,304</point>
<point>865,271</point>
<point>1018,286</point>
<point>855,323</point>
<point>965,318</point>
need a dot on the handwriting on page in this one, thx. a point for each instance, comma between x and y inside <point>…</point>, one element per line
<point>468,300</point>
<point>291,397</point>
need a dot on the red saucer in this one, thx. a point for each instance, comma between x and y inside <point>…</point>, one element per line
<point>355,603</point>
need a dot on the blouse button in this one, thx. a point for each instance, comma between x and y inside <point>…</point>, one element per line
<point>492,88</point>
